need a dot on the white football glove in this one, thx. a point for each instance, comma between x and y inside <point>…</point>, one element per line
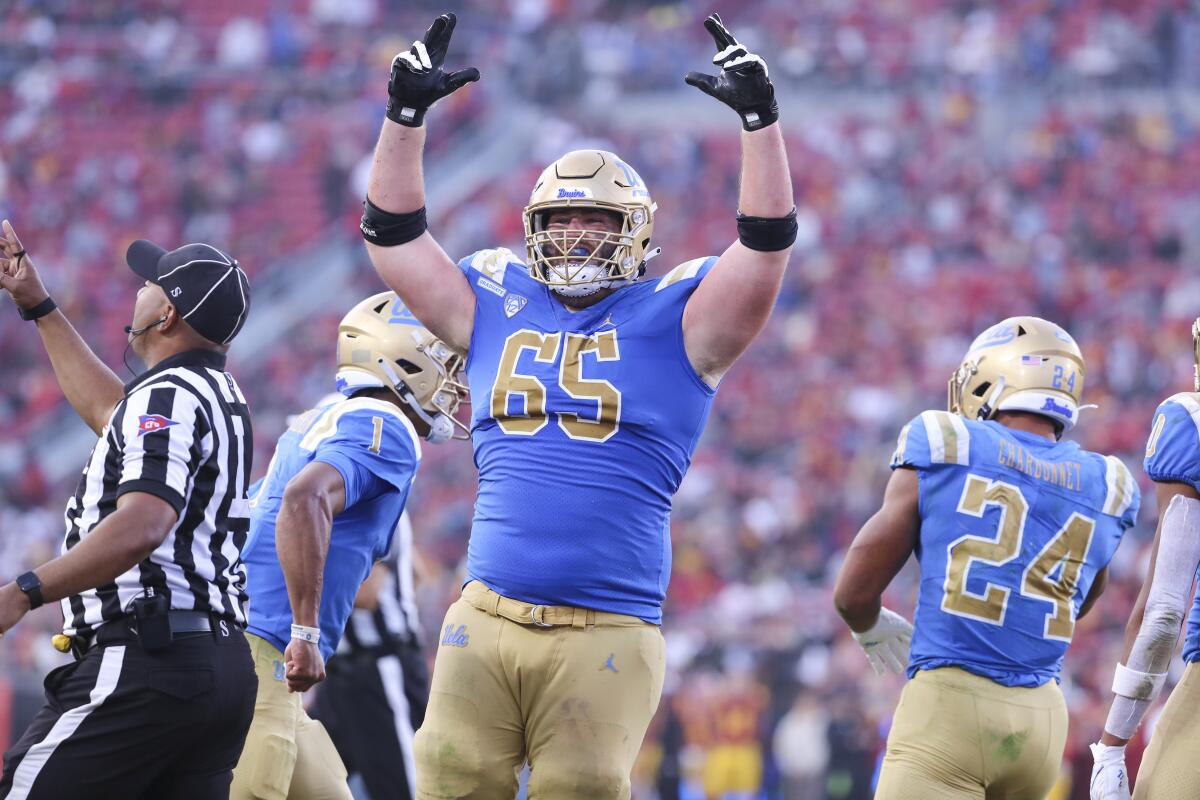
<point>1110,779</point>
<point>886,643</point>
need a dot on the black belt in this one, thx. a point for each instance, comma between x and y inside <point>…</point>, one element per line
<point>122,631</point>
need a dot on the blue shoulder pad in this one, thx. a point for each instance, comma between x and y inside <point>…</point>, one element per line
<point>933,437</point>
<point>487,269</point>
<point>687,275</point>
<point>1173,449</point>
<point>363,433</point>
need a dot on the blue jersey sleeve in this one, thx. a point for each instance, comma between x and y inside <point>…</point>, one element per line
<point>1173,449</point>
<point>374,449</point>
<point>932,437</point>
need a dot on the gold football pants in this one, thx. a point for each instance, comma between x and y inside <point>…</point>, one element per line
<point>570,690</point>
<point>959,736</point>
<point>1171,767</point>
<point>288,755</point>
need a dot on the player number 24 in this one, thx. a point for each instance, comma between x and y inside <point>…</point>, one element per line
<point>597,428</point>
<point>1068,548</point>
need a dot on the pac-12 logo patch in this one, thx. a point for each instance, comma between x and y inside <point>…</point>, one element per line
<point>513,304</point>
<point>149,423</point>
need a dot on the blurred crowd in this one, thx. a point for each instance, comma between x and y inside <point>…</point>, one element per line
<point>945,206</point>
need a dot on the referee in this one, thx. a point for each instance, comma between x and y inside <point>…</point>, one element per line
<point>159,698</point>
<point>375,691</point>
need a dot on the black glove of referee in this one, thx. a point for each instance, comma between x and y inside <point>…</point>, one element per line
<point>418,80</point>
<point>743,84</point>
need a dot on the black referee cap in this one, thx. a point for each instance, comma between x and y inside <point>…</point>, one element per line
<point>208,287</point>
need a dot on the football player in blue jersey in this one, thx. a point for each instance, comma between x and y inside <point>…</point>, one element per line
<point>1013,529</point>
<point>321,517</point>
<point>591,390</point>
<point>1171,766</point>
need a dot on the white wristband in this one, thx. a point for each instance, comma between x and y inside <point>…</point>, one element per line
<point>1137,685</point>
<point>305,634</point>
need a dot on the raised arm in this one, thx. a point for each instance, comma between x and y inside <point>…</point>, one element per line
<point>88,384</point>
<point>406,256</point>
<point>734,300</point>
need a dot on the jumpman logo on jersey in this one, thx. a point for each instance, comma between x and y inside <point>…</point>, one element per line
<point>607,322</point>
<point>608,664</point>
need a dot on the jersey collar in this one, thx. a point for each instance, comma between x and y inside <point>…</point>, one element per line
<point>188,358</point>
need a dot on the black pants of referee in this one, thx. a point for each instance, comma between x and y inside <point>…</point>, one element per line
<point>371,703</point>
<point>123,723</point>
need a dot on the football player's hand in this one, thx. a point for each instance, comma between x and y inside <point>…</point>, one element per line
<point>303,665</point>
<point>743,84</point>
<point>1110,779</point>
<point>18,276</point>
<point>886,643</point>
<point>418,80</point>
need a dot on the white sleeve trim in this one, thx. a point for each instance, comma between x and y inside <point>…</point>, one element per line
<point>1121,487</point>
<point>948,436</point>
<point>326,425</point>
<point>494,262</point>
<point>686,270</point>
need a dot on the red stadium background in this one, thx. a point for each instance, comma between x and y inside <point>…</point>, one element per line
<point>954,163</point>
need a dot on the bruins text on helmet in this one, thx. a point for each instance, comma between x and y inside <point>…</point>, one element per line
<point>1020,364</point>
<point>579,262</point>
<point>381,344</point>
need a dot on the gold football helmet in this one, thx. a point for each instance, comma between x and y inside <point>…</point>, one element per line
<point>381,344</point>
<point>1020,364</point>
<point>580,262</point>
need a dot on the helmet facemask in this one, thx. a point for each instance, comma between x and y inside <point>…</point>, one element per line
<point>1196,351</point>
<point>582,261</point>
<point>381,345</point>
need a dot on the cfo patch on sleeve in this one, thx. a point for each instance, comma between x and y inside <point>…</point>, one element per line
<point>149,423</point>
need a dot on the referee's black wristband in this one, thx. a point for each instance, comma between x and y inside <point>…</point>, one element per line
<point>37,312</point>
<point>768,234</point>
<point>386,229</point>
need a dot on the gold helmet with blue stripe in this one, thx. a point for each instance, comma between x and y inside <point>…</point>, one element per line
<point>1021,364</point>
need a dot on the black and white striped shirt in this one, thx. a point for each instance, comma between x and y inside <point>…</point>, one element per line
<point>182,434</point>
<point>395,621</point>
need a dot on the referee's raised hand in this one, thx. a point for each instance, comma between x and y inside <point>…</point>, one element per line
<point>18,276</point>
<point>303,666</point>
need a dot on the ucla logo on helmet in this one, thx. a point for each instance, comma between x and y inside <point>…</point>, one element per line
<point>995,336</point>
<point>400,315</point>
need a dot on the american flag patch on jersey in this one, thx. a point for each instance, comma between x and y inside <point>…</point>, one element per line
<point>149,423</point>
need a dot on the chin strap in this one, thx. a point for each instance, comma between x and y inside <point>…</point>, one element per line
<point>441,428</point>
<point>989,407</point>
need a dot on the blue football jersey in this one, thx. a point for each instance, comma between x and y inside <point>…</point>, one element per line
<point>583,424</point>
<point>376,450</point>
<point>1014,529</point>
<point>1173,456</point>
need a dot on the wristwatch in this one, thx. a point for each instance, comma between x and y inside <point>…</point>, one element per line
<point>32,587</point>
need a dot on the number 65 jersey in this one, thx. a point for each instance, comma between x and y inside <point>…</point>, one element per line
<point>1014,529</point>
<point>583,425</point>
